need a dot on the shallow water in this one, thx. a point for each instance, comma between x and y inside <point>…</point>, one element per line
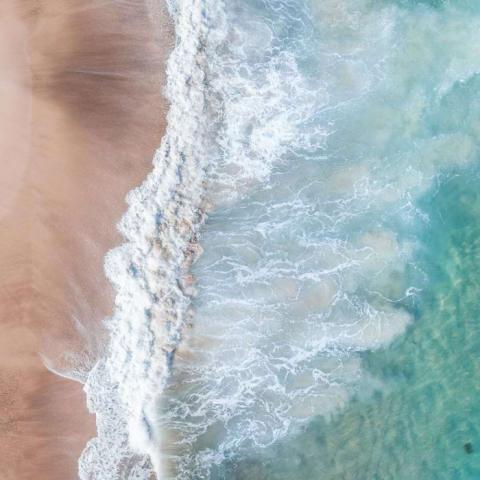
<point>311,267</point>
<point>424,423</point>
<point>334,145</point>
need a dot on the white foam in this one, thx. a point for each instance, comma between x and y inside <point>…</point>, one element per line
<point>304,272</point>
<point>160,229</point>
<point>292,287</point>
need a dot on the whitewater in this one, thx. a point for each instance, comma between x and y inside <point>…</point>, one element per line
<point>269,247</point>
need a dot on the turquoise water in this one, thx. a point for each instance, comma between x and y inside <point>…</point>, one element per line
<point>297,292</point>
<point>426,423</point>
<point>333,333</point>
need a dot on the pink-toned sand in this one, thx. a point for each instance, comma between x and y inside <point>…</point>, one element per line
<point>81,113</point>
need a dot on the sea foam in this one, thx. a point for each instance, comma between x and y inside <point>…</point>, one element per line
<point>149,271</point>
<point>238,105</point>
<point>202,161</point>
<point>306,264</point>
<point>283,125</point>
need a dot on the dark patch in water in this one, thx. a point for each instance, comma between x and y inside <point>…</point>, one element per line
<point>158,219</point>
<point>468,447</point>
<point>147,425</point>
<point>170,358</point>
<point>133,270</point>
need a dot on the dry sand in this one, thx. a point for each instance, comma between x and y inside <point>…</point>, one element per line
<point>81,113</point>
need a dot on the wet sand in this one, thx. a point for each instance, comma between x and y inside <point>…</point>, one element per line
<point>81,113</point>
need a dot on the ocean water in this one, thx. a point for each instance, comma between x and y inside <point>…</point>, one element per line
<point>424,422</point>
<point>296,294</point>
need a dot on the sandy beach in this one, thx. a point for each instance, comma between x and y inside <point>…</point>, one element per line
<point>81,113</point>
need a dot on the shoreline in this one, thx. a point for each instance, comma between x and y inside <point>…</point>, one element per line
<point>92,115</point>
